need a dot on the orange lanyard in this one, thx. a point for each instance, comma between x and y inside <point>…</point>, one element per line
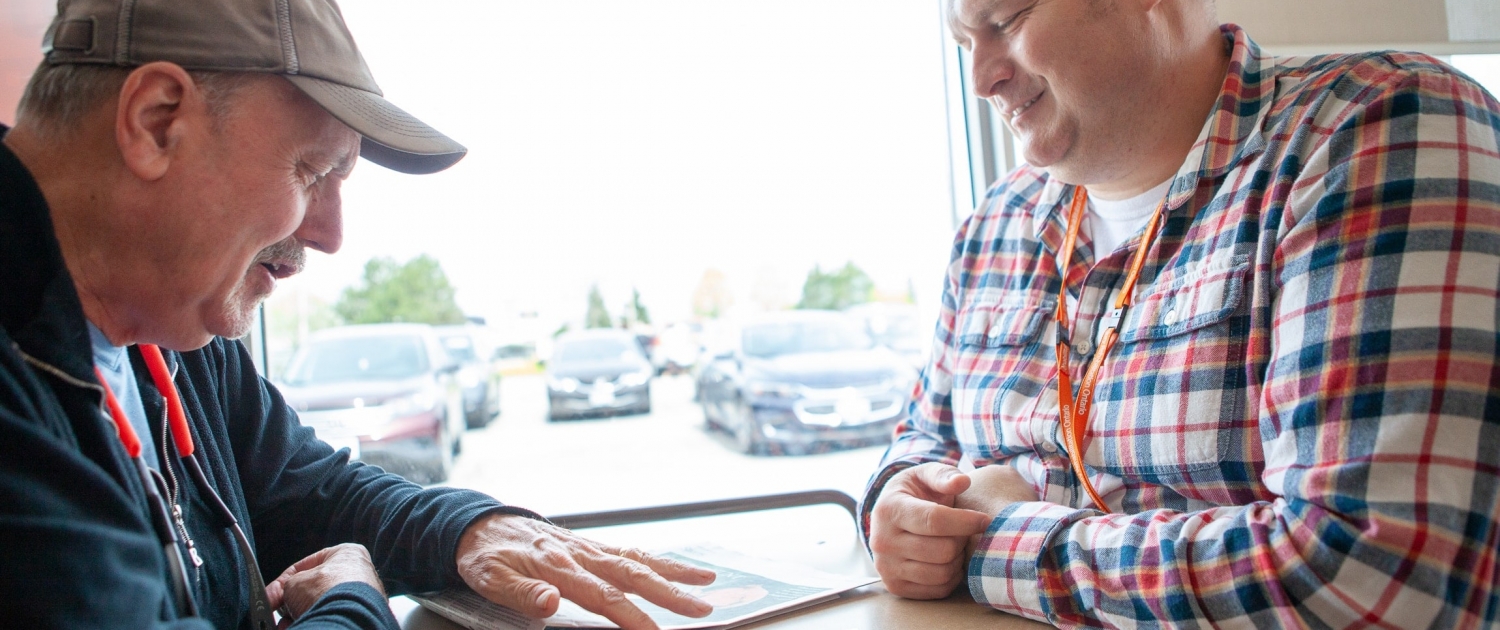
<point>1075,411</point>
<point>260,604</point>
<point>176,417</point>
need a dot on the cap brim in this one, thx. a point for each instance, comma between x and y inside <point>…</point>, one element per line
<point>391,137</point>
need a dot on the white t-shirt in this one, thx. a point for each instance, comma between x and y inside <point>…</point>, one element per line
<point>1109,224</point>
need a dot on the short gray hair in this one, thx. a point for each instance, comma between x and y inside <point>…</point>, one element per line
<point>59,96</point>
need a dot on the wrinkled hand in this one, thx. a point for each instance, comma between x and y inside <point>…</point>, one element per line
<point>918,537</point>
<point>297,588</point>
<point>527,565</point>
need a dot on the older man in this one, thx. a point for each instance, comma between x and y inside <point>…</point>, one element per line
<point>170,162</point>
<point>1225,351</point>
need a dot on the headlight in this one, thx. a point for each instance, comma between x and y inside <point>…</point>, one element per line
<point>631,379</point>
<point>412,404</point>
<point>564,384</point>
<point>771,389</point>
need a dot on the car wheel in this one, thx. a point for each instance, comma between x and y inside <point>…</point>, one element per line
<point>747,432</point>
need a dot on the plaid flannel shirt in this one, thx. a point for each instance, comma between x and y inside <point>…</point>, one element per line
<point>1300,425</point>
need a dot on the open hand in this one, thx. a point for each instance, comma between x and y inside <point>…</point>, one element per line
<point>527,565</point>
<point>918,537</point>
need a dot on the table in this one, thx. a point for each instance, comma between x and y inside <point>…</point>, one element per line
<point>819,536</point>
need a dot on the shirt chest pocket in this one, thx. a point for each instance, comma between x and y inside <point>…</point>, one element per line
<point>1003,357</point>
<point>1172,400</point>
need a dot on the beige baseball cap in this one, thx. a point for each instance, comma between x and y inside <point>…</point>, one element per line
<point>305,41</point>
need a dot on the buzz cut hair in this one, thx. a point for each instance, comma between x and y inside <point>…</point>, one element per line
<point>58,97</point>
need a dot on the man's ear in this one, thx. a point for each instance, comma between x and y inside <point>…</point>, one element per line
<point>159,107</point>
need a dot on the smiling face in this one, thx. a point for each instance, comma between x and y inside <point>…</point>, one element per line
<point>263,186</point>
<point>1073,79</point>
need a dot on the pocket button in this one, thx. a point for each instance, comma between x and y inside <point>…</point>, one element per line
<point>1170,318</point>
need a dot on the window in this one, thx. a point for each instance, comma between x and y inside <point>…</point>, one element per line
<point>675,166</point>
<point>1484,69</point>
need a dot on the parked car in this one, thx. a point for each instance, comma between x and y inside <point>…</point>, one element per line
<point>476,374</point>
<point>388,392</point>
<point>597,371</point>
<point>898,327</point>
<point>805,382</point>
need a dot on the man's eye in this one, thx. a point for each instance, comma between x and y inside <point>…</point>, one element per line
<point>1009,26</point>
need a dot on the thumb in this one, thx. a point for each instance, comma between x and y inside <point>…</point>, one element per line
<point>941,479</point>
<point>274,593</point>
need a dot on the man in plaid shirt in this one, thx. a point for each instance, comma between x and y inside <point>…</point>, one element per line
<point>1299,424</point>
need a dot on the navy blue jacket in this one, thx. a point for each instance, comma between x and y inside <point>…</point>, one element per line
<point>77,549</point>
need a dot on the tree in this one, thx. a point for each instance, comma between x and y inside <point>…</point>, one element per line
<point>838,290</point>
<point>636,309</point>
<point>597,316</point>
<point>417,291</point>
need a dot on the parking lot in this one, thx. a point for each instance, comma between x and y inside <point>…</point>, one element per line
<point>662,457</point>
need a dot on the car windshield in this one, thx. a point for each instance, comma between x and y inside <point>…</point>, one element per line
<point>586,350</point>
<point>359,359</point>
<point>460,347</point>
<point>770,340</point>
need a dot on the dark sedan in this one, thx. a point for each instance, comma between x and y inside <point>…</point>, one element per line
<point>805,382</point>
<point>597,372</point>
<point>479,379</point>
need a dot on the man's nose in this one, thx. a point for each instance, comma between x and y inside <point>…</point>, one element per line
<point>992,66</point>
<point>323,224</point>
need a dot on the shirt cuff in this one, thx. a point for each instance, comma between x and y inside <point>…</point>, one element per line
<point>1004,572</point>
<point>350,605</point>
<point>872,492</point>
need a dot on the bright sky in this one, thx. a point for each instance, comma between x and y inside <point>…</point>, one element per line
<point>638,144</point>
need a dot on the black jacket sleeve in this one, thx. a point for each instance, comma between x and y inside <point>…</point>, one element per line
<point>302,496</point>
<point>353,606</point>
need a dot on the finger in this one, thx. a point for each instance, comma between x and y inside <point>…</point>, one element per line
<point>318,557</point>
<point>634,577</point>
<point>930,549</point>
<point>926,573</point>
<point>940,479</point>
<point>597,596</point>
<point>912,590</point>
<point>930,519</point>
<point>274,593</point>
<point>673,570</point>
<point>531,597</point>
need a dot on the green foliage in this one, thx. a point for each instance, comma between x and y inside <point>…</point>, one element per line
<point>597,315</point>
<point>637,309</point>
<point>415,292</point>
<point>838,290</point>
